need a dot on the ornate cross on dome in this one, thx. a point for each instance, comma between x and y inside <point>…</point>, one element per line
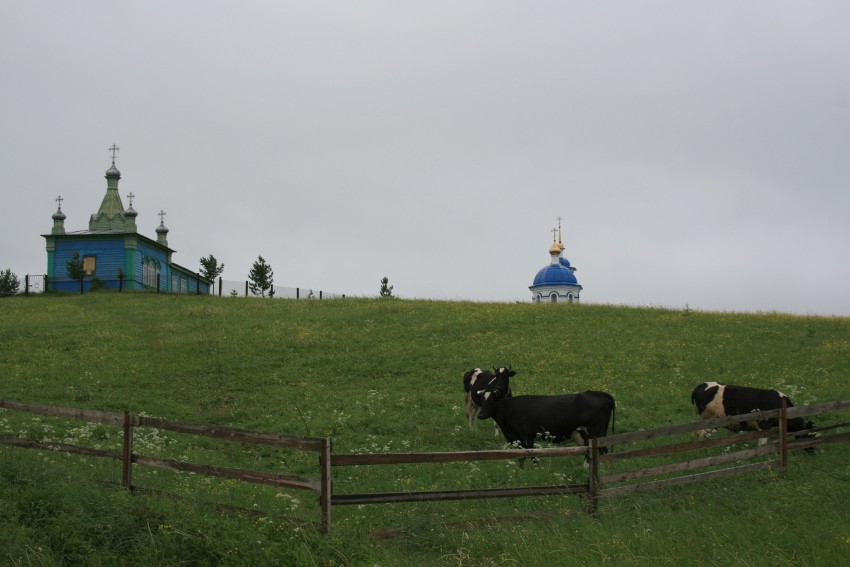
<point>114,149</point>
<point>554,231</point>
<point>559,229</point>
<point>161,216</point>
<point>59,200</point>
<point>130,196</point>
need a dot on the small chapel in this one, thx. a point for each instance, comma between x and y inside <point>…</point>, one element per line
<point>556,282</point>
<point>112,251</point>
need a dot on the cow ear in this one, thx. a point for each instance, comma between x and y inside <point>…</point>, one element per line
<point>511,373</point>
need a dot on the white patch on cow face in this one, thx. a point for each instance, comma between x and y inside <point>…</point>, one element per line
<point>475,376</point>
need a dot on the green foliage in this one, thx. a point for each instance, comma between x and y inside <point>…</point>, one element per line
<point>74,267</point>
<point>210,268</point>
<point>261,277</point>
<point>9,283</point>
<point>97,284</point>
<point>385,376</point>
<point>386,289</point>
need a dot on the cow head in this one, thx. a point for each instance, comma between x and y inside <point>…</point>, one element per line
<point>504,373</point>
<point>496,389</point>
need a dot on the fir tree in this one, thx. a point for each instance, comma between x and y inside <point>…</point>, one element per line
<point>386,288</point>
<point>9,283</point>
<point>210,268</point>
<point>261,278</point>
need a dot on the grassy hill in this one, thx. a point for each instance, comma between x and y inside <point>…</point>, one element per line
<point>385,376</point>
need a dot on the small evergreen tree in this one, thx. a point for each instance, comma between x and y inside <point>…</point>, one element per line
<point>210,268</point>
<point>261,277</point>
<point>386,288</point>
<point>75,270</point>
<point>9,283</point>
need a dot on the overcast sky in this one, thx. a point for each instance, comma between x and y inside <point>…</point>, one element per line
<point>698,152</point>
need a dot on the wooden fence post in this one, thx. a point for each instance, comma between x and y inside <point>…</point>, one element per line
<point>783,437</point>
<point>325,494</point>
<point>127,453</point>
<point>593,478</point>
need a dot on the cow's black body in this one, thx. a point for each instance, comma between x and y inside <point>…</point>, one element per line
<point>720,400</point>
<point>523,418</point>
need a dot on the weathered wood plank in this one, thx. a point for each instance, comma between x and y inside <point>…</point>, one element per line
<point>62,447</point>
<point>818,409</point>
<point>453,456</point>
<point>95,416</point>
<point>796,411</point>
<point>731,439</point>
<point>690,465</point>
<point>289,481</point>
<point>677,481</point>
<point>801,444</point>
<point>232,434</point>
<point>440,495</point>
<point>690,427</point>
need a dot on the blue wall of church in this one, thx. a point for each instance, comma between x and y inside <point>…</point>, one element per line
<point>108,256</point>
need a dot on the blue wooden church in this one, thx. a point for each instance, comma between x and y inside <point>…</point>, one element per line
<point>113,253</point>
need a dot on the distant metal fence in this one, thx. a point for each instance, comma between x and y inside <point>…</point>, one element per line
<point>40,283</point>
<point>233,288</point>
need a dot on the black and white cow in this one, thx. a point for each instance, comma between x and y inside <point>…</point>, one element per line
<point>478,379</point>
<point>712,399</point>
<point>522,418</point>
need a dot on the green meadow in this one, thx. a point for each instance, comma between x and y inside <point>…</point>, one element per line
<point>385,375</point>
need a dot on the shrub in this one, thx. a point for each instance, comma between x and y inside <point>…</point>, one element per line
<point>9,283</point>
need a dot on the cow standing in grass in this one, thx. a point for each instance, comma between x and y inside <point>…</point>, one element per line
<point>522,418</point>
<point>712,399</point>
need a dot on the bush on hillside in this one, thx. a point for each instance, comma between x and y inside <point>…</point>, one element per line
<point>9,283</point>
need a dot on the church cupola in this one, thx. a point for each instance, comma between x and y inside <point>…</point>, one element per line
<point>130,215</point>
<point>557,281</point>
<point>110,215</point>
<point>58,218</point>
<point>161,230</point>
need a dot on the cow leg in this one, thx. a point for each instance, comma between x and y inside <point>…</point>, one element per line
<point>526,444</point>
<point>471,413</point>
<point>701,434</point>
<point>578,438</point>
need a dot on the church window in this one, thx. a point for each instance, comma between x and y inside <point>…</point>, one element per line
<point>89,265</point>
<point>150,271</point>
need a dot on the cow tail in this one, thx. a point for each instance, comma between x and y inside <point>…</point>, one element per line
<point>613,420</point>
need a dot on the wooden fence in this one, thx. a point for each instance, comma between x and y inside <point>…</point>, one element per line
<point>320,445</point>
<point>773,454</point>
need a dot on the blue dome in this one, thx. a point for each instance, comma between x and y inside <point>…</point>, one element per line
<point>555,274</point>
<point>564,262</point>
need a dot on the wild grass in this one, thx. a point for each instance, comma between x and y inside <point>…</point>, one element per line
<point>385,376</point>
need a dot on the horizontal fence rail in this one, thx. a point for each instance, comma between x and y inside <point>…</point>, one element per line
<point>772,454</point>
<point>320,445</point>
